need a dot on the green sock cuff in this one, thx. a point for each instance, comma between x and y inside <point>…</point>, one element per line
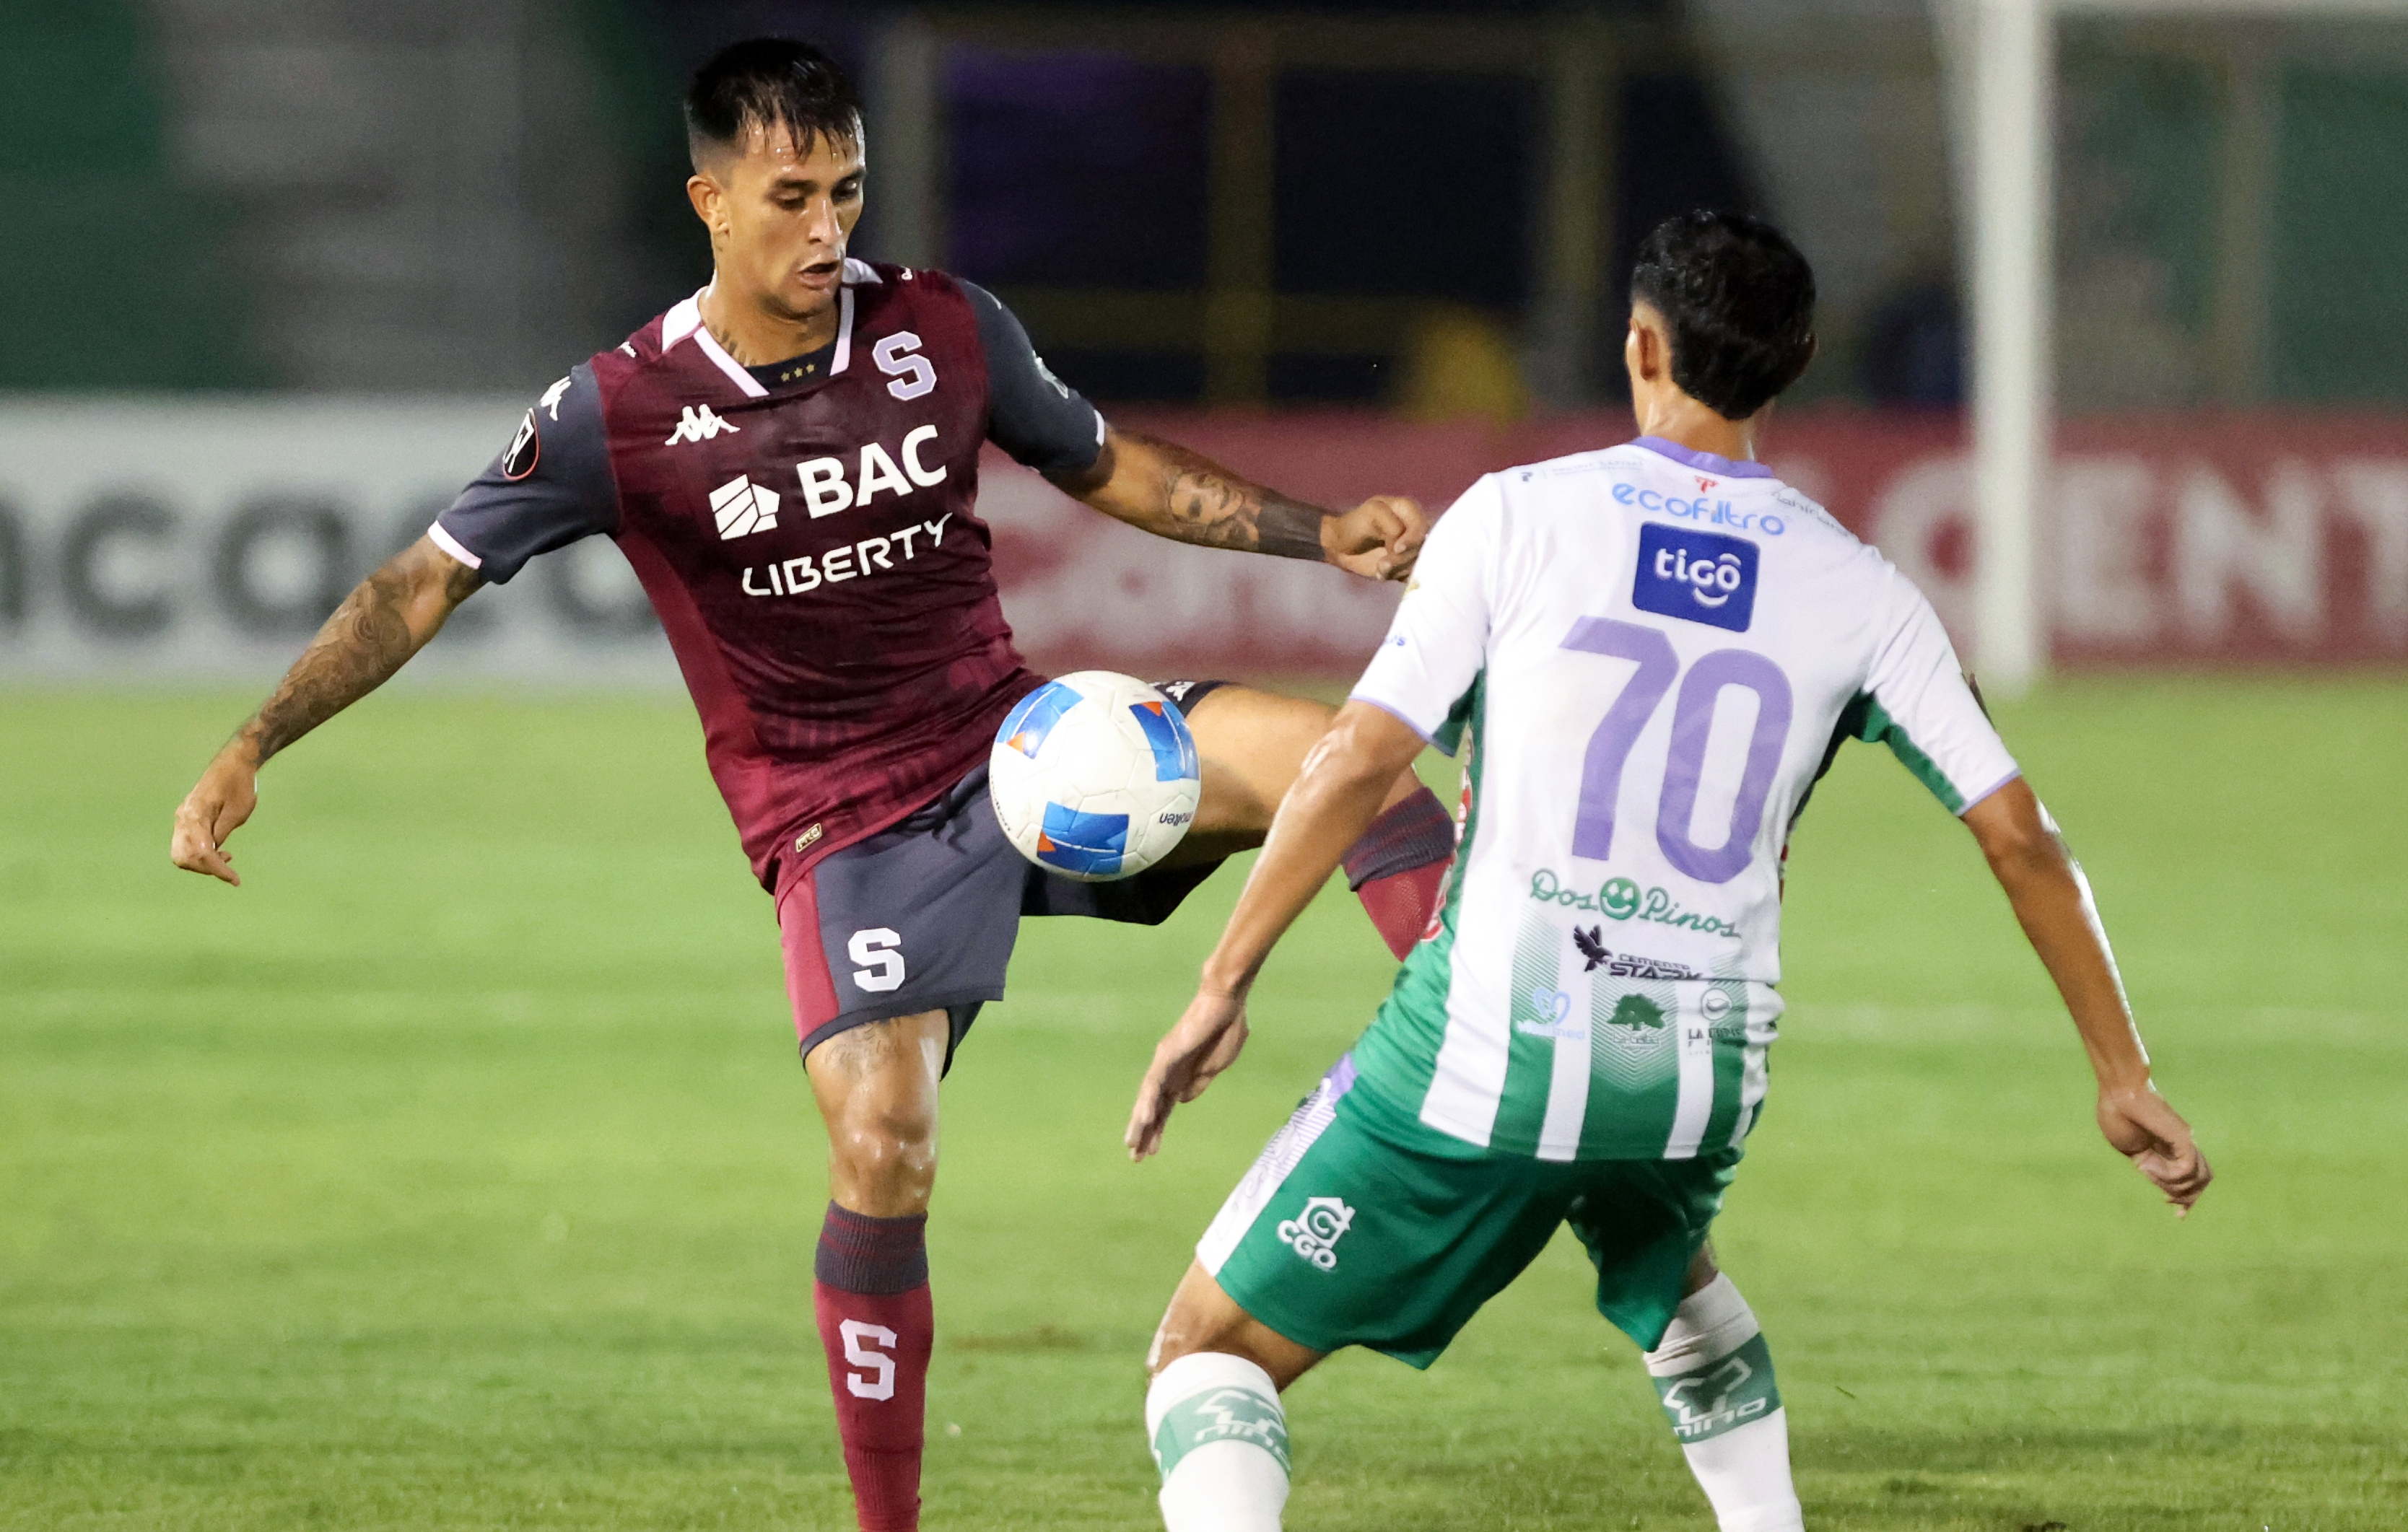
<point>1723,1395</point>
<point>1220,1414</point>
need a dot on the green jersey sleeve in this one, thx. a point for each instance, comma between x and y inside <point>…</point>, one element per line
<point>1917,701</point>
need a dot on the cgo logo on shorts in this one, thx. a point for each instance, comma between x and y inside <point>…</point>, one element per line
<point>1313,1233</point>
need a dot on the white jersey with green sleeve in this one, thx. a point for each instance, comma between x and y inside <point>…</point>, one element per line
<point>1656,653</point>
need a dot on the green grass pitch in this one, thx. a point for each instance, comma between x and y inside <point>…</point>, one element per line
<point>458,1172</point>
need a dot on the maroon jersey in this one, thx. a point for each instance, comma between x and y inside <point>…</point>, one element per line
<point>811,547</point>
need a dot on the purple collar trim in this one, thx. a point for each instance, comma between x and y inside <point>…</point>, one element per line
<point>1703,462</point>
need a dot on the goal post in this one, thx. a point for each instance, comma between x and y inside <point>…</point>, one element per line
<point>2011,78</point>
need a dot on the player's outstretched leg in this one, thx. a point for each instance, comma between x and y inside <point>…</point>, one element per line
<point>1253,745</point>
<point>1715,1376</point>
<point>1213,1411</point>
<point>876,1091</point>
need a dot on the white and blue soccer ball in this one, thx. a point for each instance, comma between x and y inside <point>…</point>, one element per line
<point>1095,776</point>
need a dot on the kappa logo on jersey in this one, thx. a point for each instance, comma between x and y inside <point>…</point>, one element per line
<point>741,508</point>
<point>698,424</point>
<point>1701,575</point>
<point>550,403</point>
<point>1313,1233</point>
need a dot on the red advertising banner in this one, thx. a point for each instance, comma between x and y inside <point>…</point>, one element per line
<point>2179,538</point>
<point>142,539</point>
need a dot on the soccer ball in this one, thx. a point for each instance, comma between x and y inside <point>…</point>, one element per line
<point>1095,776</point>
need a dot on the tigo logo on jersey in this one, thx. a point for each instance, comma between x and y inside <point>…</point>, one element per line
<point>1702,576</point>
<point>741,507</point>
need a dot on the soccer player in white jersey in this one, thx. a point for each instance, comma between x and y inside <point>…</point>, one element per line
<point>1656,650</point>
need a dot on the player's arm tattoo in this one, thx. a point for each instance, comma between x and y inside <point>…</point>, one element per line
<point>385,619</point>
<point>1180,494</point>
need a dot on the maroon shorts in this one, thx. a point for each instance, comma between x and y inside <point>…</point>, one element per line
<point>922,916</point>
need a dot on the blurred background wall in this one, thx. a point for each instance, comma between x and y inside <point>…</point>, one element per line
<point>1355,203</point>
<point>1413,221</point>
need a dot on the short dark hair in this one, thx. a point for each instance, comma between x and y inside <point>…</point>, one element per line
<point>767,83</point>
<point>1738,300</point>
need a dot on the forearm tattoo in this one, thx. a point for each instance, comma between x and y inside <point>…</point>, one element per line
<point>360,647</point>
<point>1207,503</point>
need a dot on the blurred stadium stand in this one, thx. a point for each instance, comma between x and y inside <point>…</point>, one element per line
<point>1235,203</point>
<point>116,260</point>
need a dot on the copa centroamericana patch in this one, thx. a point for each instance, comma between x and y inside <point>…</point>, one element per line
<point>526,448</point>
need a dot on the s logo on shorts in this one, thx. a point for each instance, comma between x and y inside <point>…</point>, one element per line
<point>880,952</point>
<point>1314,1233</point>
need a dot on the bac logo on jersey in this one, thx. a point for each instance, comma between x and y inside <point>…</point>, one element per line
<point>1701,575</point>
<point>741,506</point>
<point>827,490</point>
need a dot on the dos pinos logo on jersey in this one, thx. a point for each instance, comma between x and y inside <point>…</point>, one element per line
<point>1704,577</point>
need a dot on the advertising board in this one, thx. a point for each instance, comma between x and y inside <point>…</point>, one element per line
<point>175,541</point>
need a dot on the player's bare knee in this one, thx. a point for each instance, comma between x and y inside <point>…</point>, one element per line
<point>1703,1270</point>
<point>1203,1318</point>
<point>885,1174</point>
<point>1174,1341</point>
<point>1257,730</point>
<point>886,1134</point>
<point>1253,745</point>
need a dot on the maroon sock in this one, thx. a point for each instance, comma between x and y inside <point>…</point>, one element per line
<point>1398,866</point>
<point>876,1322</point>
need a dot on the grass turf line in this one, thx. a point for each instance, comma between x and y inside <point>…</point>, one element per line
<point>458,1172</point>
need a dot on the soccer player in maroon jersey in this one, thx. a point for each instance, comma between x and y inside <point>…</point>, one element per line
<point>789,460</point>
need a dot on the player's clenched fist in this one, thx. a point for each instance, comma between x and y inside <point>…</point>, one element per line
<point>2153,1136</point>
<point>1379,539</point>
<point>216,807</point>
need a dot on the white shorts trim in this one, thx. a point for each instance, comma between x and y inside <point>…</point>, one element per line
<point>1272,1168</point>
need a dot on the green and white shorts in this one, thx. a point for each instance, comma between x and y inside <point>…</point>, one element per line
<point>1346,1235</point>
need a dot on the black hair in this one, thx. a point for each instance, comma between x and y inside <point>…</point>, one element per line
<point>768,82</point>
<point>1738,300</point>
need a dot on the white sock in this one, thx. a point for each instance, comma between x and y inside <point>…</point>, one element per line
<point>1221,1442</point>
<point>1715,1376</point>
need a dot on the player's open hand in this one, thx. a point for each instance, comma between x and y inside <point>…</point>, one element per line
<point>1378,540</point>
<point>2150,1134</point>
<point>216,807</point>
<point>1205,1042</point>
